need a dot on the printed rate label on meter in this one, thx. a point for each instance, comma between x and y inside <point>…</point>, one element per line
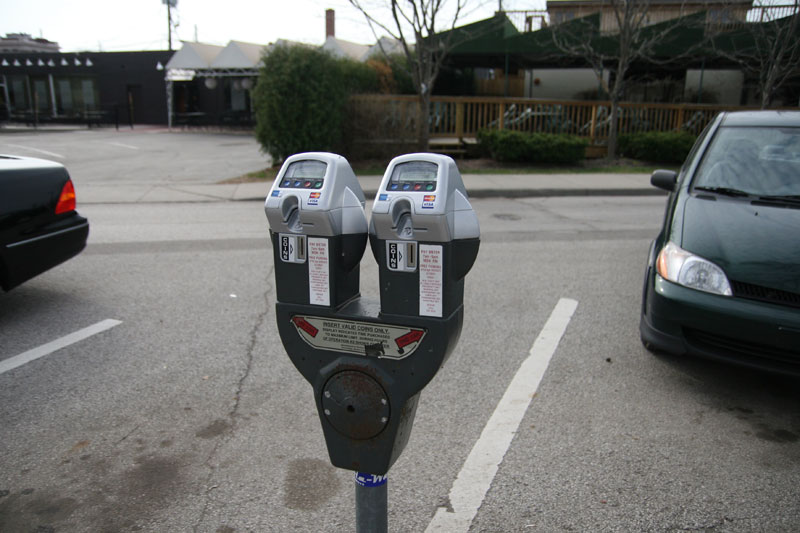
<point>359,338</point>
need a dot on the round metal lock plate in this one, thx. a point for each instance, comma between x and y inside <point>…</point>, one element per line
<point>355,405</point>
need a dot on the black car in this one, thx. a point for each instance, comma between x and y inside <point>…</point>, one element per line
<point>39,227</point>
<point>723,275</point>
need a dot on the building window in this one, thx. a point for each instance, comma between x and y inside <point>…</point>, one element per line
<point>75,96</point>
<point>64,97</point>
<point>18,94</point>
<point>238,97</point>
<point>41,95</point>
<point>87,91</point>
<point>186,97</point>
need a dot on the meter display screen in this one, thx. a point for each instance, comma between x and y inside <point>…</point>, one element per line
<point>414,176</point>
<point>308,174</point>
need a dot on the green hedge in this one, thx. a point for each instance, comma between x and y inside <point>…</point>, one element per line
<point>519,147</point>
<point>301,97</point>
<point>657,147</point>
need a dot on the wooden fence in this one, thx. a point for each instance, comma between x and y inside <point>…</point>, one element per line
<point>389,118</point>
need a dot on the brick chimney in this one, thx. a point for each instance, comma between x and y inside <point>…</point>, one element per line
<point>330,23</point>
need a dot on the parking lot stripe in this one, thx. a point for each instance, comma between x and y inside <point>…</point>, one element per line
<point>122,145</point>
<point>46,349</point>
<point>476,476</point>
<point>45,152</point>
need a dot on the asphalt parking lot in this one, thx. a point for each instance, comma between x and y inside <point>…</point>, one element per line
<point>185,414</point>
<point>143,156</point>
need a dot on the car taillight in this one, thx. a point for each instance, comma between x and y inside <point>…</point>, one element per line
<point>66,202</point>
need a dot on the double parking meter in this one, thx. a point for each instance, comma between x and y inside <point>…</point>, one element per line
<point>368,361</point>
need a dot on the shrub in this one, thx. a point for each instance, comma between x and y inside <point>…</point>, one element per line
<point>486,141</point>
<point>357,77</point>
<point>301,97</point>
<point>519,147</point>
<point>657,146</point>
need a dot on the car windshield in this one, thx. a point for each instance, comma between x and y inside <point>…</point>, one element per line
<point>757,161</point>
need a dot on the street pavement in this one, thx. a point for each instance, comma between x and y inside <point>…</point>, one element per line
<point>188,416</point>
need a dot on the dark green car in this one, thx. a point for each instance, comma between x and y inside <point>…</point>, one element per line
<point>723,275</point>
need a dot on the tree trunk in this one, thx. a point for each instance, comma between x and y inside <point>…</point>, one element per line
<point>423,118</point>
<point>765,99</point>
<point>612,129</point>
<point>768,86</point>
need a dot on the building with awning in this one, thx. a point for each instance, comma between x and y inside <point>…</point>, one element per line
<point>681,64</point>
<point>210,85</point>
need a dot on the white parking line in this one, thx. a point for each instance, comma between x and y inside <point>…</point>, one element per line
<point>46,349</point>
<point>120,145</point>
<point>476,476</point>
<point>45,152</point>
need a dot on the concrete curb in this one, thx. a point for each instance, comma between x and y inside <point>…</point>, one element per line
<point>526,193</point>
<point>539,193</point>
<point>478,186</point>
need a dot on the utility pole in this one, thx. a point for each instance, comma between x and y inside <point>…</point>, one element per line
<point>170,4</point>
<point>169,26</point>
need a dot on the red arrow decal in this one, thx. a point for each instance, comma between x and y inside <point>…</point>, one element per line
<point>302,323</point>
<point>409,338</point>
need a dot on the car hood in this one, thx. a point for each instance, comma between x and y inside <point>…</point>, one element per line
<point>757,244</point>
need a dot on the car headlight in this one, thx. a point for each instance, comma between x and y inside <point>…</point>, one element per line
<point>679,266</point>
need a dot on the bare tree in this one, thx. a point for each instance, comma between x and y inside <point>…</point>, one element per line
<point>766,47</point>
<point>425,41</point>
<point>629,38</point>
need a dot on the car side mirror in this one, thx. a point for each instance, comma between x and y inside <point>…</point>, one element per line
<point>664,179</point>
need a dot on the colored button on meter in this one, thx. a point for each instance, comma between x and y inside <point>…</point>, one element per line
<point>430,187</point>
<point>417,186</point>
<point>317,184</point>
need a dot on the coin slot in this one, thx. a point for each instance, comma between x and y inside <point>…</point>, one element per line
<point>411,255</point>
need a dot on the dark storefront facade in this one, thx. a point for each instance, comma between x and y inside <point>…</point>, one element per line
<point>90,87</point>
<point>210,85</point>
<point>222,101</point>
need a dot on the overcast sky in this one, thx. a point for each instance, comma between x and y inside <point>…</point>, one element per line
<point>117,25</point>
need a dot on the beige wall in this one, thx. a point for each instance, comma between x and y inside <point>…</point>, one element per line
<point>725,84</point>
<point>564,84</point>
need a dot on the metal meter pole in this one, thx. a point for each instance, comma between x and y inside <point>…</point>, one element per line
<point>371,503</point>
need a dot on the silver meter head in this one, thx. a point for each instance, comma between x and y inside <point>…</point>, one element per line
<point>316,193</point>
<point>423,198</point>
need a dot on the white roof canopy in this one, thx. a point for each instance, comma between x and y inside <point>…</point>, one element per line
<point>238,58</point>
<point>209,61</point>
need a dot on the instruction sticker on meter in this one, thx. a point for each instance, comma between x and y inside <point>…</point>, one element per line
<point>319,282</point>
<point>359,338</point>
<point>430,280</point>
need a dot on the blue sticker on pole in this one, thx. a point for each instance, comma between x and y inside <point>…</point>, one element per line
<point>371,480</point>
